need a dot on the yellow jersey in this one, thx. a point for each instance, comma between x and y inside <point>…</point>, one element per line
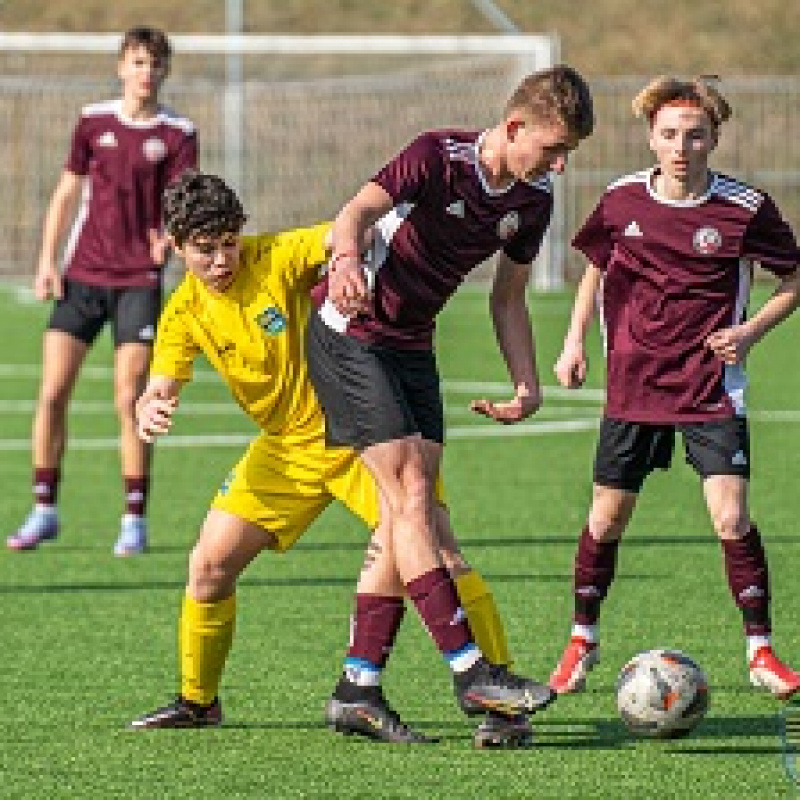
<point>253,333</point>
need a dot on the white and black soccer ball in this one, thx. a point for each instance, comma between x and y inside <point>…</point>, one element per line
<point>662,694</point>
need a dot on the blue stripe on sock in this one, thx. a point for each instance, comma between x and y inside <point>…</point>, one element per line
<point>361,663</point>
<point>451,655</point>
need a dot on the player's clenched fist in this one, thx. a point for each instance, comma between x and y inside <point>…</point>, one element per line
<point>570,369</point>
<point>154,415</point>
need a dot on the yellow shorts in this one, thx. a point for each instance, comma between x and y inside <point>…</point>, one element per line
<point>283,485</point>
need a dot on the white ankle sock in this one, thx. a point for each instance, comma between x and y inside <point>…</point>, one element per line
<point>756,642</point>
<point>586,632</point>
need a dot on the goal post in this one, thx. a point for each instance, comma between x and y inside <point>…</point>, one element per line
<point>295,123</point>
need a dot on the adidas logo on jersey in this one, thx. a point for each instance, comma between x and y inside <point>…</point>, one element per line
<point>456,209</point>
<point>633,229</point>
<point>739,459</point>
<point>107,140</point>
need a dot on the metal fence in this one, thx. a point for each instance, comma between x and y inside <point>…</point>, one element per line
<point>309,143</point>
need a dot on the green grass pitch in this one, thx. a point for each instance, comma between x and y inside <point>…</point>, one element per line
<point>89,640</point>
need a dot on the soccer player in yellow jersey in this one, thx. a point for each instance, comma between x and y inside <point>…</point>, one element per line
<point>244,303</point>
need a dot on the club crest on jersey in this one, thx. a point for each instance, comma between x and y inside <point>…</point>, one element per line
<point>154,149</point>
<point>508,225</point>
<point>272,320</point>
<point>707,241</point>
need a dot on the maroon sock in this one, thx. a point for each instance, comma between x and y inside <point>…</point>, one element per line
<point>595,563</point>
<point>375,623</point>
<point>45,485</point>
<point>435,596</point>
<point>136,495</point>
<point>748,578</point>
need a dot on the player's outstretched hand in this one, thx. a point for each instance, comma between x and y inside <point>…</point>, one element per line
<point>154,416</point>
<point>731,345</point>
<point>571,367</point>
<point>48,284</point>
<point>521,407</point>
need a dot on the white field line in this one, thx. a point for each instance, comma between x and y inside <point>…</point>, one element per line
<point>112,443</point>
<point>480,431</point>
<point>478,388</point>
<point>240,439</point>
<point>231,409</point>
<point>584,418</point>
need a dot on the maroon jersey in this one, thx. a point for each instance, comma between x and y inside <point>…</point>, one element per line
<point>127,164</point>
<point>446,220</point>
<point>674,273</point>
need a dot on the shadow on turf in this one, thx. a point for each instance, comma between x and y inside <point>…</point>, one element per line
<point>610,734</point>
<point>588,733</point>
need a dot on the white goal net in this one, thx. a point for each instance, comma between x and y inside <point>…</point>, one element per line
<point>296,123</point>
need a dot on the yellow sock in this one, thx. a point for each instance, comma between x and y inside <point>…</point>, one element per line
<point>206,633</point>
<point>483,617</point>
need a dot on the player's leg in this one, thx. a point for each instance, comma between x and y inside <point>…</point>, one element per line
<point>226,545</point>
<point>388,405</point>
<point>358,705</point>
<point>595,566</point>
<point>495,730</point>
<point>131,363</point>
<point>74,323</point>
<point>626,454</point>
<point>720,453</point>
<point>473,592</point>
<point>135,311</point>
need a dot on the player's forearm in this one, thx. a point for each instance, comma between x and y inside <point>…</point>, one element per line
<point>514,335</point>
<point>780,306</point>
<point>584,305</point>
<point>351,228</point>
<point>55,225</point>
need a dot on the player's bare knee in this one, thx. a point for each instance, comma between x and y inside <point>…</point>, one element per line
<point>54,399</point>
<point>730,523</point>
<point>607,527</point>
<point>209,578</point>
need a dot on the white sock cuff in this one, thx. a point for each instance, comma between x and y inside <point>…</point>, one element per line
<point>755,643</point>
<point>586,632</point>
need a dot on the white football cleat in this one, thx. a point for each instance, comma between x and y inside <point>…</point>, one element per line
<point>132,536</point>
<point>41,525</point>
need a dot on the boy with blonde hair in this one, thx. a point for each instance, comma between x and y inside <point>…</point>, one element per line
<point>674,248</point>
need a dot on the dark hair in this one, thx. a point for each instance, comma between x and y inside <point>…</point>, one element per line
<point>153,39</point>
<point>557,94</point>
<point>199,204</point>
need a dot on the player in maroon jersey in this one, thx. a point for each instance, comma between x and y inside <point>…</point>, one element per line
<point>124,152</point>
<point>447,202</point>
<point>673,249</point>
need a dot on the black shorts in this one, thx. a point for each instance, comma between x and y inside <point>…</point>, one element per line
<point>84,310</point>
<point>372,394</point>
<point>627,452</point>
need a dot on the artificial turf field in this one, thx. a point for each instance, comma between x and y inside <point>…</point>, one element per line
<point>89,639</point>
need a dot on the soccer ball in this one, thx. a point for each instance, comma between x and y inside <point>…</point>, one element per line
<point>662,694</point>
